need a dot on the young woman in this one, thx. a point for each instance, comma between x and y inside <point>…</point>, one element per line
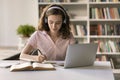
<point>52,37</point>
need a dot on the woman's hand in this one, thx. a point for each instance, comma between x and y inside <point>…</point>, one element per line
<point>41,58</point>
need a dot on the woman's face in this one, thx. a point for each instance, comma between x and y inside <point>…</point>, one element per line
<point>54,23</point>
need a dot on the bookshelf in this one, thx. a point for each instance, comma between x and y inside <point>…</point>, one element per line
<point>104,18</point>
<point>93,21</point>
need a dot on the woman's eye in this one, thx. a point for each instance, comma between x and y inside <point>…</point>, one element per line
<point>51,22</point>
<point>58,22</point>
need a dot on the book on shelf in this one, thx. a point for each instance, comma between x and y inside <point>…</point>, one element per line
<point>112,14</point>
<point>28,66</point>
<point>81,30</point>
<point>114,0</point>
<point>108,13</point>
<point>112,45</point>
<point>108,45</point>
<point>105,29</point>
<point>103,57</point>
<point>53,0</point>
<point>79,33</point>
<point>99,29</point>
<point>73,29</point>
<point>105,13</point>
<point>97,13</point>
<point>92,13</point>
<point>117,30</point>
<point>93,29</point>
<point>104,0</point>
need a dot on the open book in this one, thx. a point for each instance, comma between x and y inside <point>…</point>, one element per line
<point>31,66</point>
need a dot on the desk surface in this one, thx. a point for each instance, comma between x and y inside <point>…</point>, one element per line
<point>99,71</point>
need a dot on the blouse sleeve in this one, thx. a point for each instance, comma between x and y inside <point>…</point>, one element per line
<point>32,40</point>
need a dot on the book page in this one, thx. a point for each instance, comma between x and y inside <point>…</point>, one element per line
<point>42,66</point>
<point>60,63</point>
<point>22,66</point>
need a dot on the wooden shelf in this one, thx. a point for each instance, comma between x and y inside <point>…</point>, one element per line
<point>108,53</point>
<point>105,37</point>
<point>63,3</point>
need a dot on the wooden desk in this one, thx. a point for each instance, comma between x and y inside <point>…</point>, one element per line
<point>100,71</point>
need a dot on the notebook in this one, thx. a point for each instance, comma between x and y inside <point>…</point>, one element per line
<point>79,55</point>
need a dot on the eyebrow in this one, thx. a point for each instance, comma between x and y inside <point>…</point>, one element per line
<point>55,21</point>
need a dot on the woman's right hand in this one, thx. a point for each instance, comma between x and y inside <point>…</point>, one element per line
<point>41,58</point>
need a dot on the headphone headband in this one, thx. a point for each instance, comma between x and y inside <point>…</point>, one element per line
<point>55,7</point>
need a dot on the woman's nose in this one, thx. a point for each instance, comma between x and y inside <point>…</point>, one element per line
<point>54,25</point>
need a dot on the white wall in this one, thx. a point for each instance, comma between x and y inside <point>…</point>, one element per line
<point>14,13</point>
<point>1,21</point>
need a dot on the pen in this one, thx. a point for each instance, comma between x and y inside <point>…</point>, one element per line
<point>36,52</point>
<point>40,52</point>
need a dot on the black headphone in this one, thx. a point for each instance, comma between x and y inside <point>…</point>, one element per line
<point>56,7</point>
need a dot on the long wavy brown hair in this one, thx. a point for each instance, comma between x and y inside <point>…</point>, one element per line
<point>65,29</point>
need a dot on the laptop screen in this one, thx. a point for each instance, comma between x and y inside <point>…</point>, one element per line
<point>80,55</point>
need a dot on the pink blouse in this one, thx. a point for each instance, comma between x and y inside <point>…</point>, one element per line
<point>53,50</point>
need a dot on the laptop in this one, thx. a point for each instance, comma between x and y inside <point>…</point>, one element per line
<point>79,55</point>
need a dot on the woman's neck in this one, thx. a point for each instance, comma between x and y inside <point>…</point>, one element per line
<point>54,36</point>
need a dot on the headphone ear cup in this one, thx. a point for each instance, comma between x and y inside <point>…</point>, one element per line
<point>64,21</point>
<point>46,21</point>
